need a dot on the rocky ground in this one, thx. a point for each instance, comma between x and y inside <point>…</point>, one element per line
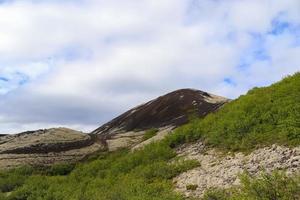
<point>45,147</point>
<point>222,170</point>
<point>161,134</point>
<point>134,139</point>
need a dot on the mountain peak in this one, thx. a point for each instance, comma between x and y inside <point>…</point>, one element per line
<point>172,109</point>
<point>56,145</point>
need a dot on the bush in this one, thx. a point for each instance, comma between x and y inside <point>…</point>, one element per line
<point>144,174</point>
<point>192,187</point>
<point>270,186</point>
<point>60,169</point>
<point>216,194</point>
<point>11,179</point>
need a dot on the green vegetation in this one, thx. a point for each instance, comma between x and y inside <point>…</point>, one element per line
<point>276,186</point>
<point>150,133</point>
<point>144,174</point>
<point>14,178</point>
<point>191,187</point>
<point>59,169</point>
<point>264,116</point>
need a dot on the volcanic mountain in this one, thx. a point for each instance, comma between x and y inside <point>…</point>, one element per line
<point>172,109</point>
<point>48,146</point>
<point>163,114</point>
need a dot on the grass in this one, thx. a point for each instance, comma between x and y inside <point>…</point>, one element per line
<point>144,174</point>
<point>14,178</point>
<point>264,116</point>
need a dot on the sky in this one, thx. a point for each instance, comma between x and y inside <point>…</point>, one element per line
<point>79,63</point>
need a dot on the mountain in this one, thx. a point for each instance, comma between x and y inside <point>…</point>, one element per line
<point>172,109</point>
<point>45,147</point>
<point>163,113</point>
<point>248,148</point>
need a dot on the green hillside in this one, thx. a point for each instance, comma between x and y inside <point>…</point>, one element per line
<point>263,116</point>
<point>142,175</point>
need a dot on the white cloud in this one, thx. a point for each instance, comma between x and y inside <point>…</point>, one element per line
<point>88,60</point>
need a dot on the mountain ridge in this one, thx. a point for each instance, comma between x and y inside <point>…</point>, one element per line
<point>49,146</point>
<point>221,156</point>
<point>170,109</point>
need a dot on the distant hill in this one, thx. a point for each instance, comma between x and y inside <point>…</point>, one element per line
<point>45,147</point>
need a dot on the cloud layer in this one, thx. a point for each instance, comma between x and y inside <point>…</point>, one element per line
<point>80,63</point>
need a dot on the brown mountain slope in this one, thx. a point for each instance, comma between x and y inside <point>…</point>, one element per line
<point>45,147</point>
<point>172,109</point>
<point>163,113</point>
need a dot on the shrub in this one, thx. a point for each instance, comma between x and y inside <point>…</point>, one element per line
<point>11,179</point>
<point>144,174</point>
<point>60,169</point>
<point>192,187</point>
<point>216,194</point>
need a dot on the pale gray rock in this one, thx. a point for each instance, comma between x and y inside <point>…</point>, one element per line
<point>219,170</point>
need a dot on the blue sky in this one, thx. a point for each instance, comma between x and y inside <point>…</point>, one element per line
<point>80,63</point>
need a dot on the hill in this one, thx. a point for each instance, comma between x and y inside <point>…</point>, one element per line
<point>60,145</point>
<point>263,116</point>
<point>264,123</point>
<point>159,116</point>
<point>45,147</point>
<point>172,109</point>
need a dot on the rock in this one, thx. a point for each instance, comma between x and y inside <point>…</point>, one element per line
<point>223,172</point>
<point>46,147</point>
<point>163,113</point>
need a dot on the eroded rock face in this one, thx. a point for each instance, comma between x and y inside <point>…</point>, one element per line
<point>165,112</point>
<point>45,147</point>
<point>219,170</point>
